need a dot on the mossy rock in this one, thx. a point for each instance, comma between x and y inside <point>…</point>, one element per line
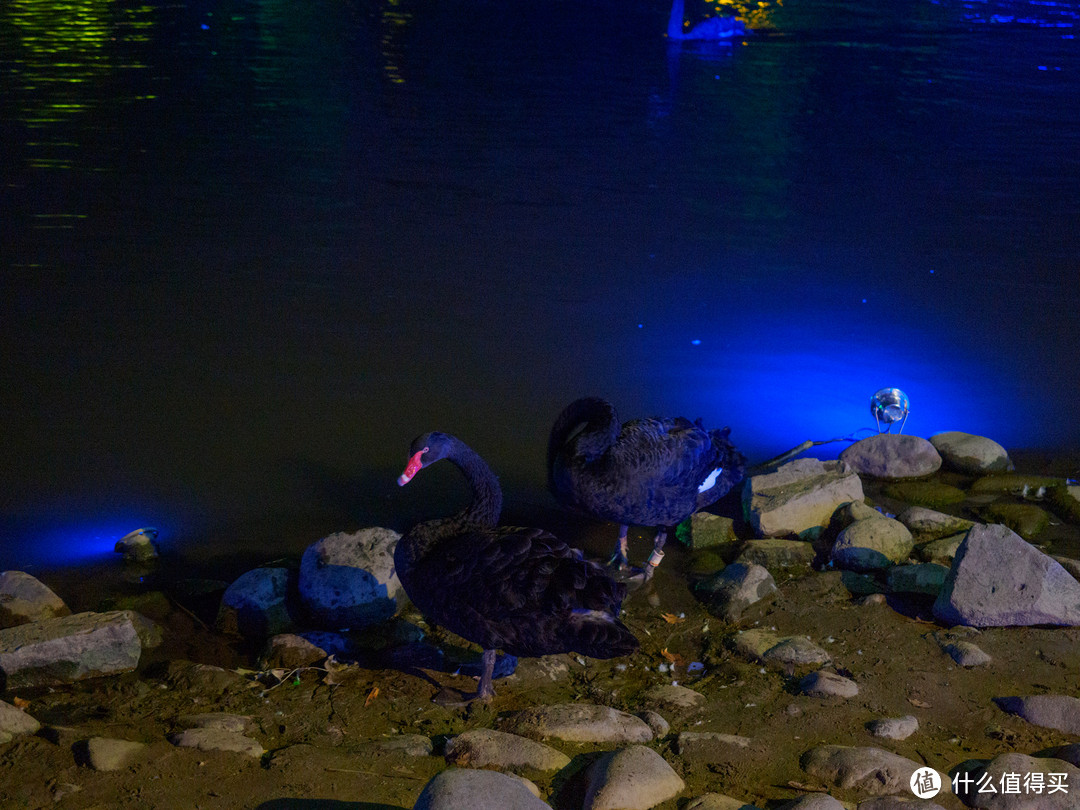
<point>931,494</point>
<point>1014,484</point>
<point>1065,500</point>
<point>1026,519</point>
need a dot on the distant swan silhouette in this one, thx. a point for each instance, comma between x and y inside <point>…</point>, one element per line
<point>714,28</point>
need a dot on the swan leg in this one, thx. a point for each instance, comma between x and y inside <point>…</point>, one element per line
<point>486,691</point>
<point>620,559</point>
<point>657,555</point>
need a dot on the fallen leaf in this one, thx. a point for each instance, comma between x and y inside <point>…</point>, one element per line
<point>671,618</point>
<point>374,693</point>
<point>921,704</point>
<point>674,658</point>
<point>19,703</point>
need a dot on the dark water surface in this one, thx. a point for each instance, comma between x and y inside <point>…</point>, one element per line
<point>250,249</point>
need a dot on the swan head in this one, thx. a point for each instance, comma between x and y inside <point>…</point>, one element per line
<point>424,450</point>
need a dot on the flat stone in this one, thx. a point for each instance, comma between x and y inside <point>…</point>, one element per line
<point>828,684</point>
<point>14,721</point>
<point>68,648</point>
<point>966,654</point>
<point>892,456</point>
<point>894,728</point>
<point>483,747</point>
<point>255,606</point>
<point>871,771</point>
<point>1026,519</point>
<point>931,494</point>
<point>290,651</point>
<point>349,580</point>
<point>1065,500</point>
<point>710,746</point>
<point>999,580</point>
<point>731,591</point>
<point>24,599</point>
<point>929,524</point>
<point>970,454</point>
<point>237,723</point>
<point>580,722</point>
<point>633,778</point>
<point>969,774</point>
<point>799,496</point>
<point>458,788</point>
<point>796,651</point>
<point>718,801</point>
<point>671,696</point>
<point>876,542</point>
<point>1061,712</point>
<point>777,553</point>
<point>214,739</point>
<point>105,754</point>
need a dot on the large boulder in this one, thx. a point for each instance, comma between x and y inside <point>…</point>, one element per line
<point>997,580</point>
<point>892,455</point>
<point>348,580</point>
<point>24,599</point>
<point>799,497</point>
<point>69,648</point>
<point>255,605</point>
<point>970,454</point>
<point>634,778</point>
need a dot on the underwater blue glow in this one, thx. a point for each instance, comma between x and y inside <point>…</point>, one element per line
<point>55,542</point>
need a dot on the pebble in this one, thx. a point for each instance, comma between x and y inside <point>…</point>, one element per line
<point>660,727</point>
<point>731,591</point>
<point>929,524</point>
<point>894,728</point>
<point>633,778</point>
<point>814,801</point>
<point>14,721</point>
<point>580,722</point>
<point>212,739</point>
<point>104,754</point>
<point>709,746</point>
<point>966,654</point>
<point>828,684</point>
<point>670,696</point>
<point>872,771</point>
<point>718,801</point>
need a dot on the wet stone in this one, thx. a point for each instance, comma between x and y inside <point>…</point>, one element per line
<point>928,524</point>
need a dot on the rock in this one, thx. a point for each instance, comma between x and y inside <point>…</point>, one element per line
<point>999,580</point>
<point>483,747</point>
<point>718,801</point>
<point>864,770</point>
<point>255,606</point>
<point>580,722</point>
<point>899,803</point>
<point>799,497</point>
<point>214,739</point>
<point>828,684</point>
<point>876,542</point>
<point>966,654</point>
<point>1027,520</point>
<point>931,494</point>
<point>104,754</point>
<point>707,530</point>
<point>1070,753</point>
<point>894,728</point>
<point>457,788</point>
<point>941,551</point>
<point>775,553</point>
<point>786,652</point>
<point>236,723</point>
<point>969,454</point>
<point>924,578</point>
<point>290,651</point>
<point>710,746</point>
<point>1069,564</point>
<point>348,580</point>
<point>660,727</point>
<point>928,524</point>
<point>970,777</point>
<point>634,778</point>
<point>731,591</point>
<point>670,696</point>
<point>1065,500</point>
<point>814,801</point>
<point>14,721</point>
<point>1017,485</point>
<point>203,680</point>
<point>68,648</point>
<point>24,599</point>
<point>1060,712</point>
<point>892,455</point>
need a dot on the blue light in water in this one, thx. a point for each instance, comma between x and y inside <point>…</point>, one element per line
<point>695,342</point>
<point>67,542</point>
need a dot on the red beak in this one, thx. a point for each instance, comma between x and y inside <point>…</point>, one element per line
<point>412,468</point>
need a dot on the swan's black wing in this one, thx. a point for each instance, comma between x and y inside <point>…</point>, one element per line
<point>523,591</point>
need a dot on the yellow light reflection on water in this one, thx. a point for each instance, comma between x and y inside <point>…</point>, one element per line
<point>393,21</point>
<point>757,14</point>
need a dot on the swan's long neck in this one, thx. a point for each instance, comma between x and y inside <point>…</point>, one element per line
<point>486,504</point>
<point>675,21</point>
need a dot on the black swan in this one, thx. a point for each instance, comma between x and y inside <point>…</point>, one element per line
<point>721,27</point>
<point>647,472</point>
<point>520,590</point>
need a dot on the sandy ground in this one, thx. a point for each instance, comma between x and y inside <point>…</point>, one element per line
<point>318,731</point>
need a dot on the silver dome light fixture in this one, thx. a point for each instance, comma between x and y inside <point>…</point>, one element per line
<point>890,405</point>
